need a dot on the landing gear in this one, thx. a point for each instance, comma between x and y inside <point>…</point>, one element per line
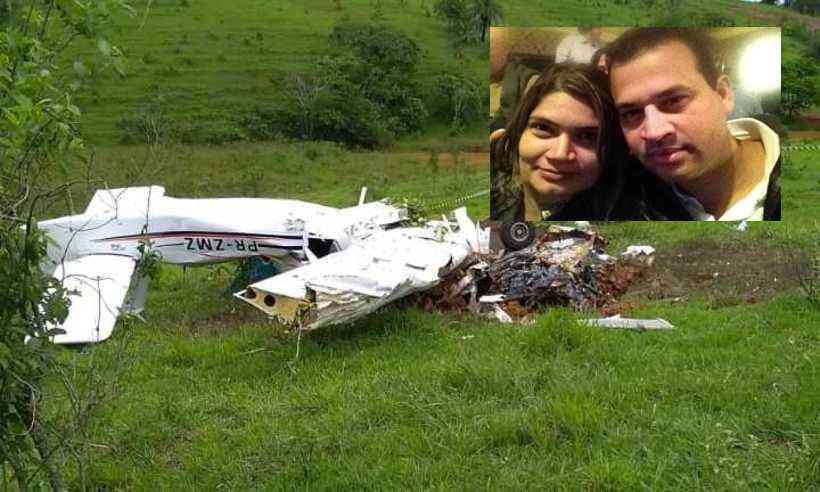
<point>517,235</point>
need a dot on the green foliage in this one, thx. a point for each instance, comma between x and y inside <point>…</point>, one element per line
<point>671,16</point>
<point>457,98</point>
<point>799,91</point>
<point>365,95</point>
<point>468,21</point>
<point>379,45</point>
<point>39,145</point>
<point>455,14</point>
<point>150,261</point>
<point>156,122</point>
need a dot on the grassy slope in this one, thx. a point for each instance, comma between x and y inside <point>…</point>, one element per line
<point>408,399</point>
<point>214,58</point>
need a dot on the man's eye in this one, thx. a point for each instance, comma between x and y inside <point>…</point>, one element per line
<point>675,103</point>
<point>631,117</point>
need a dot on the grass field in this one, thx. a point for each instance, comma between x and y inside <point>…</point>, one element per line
<point>212,395</point>
<point>212,62</point>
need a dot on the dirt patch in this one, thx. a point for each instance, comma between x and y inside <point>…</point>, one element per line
<point>754,12</point>
<point>725,273</point>
<point>805,135</point>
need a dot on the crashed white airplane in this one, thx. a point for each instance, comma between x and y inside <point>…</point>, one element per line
<point>342,263</point>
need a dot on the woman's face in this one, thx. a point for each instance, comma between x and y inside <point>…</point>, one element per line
<point>557,151</point>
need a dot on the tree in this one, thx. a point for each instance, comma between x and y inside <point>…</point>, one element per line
<point>484,14</point>
<point>39,145</point>
<point>468,21</point>
<point>798,89</point>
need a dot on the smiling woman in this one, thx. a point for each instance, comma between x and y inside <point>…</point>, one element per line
<point>562,154</point>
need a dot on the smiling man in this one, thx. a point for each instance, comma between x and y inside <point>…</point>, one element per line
<point>673,105</point>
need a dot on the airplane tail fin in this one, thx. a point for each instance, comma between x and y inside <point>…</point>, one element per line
<point>97,286</point>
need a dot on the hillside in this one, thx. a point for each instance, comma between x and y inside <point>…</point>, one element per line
<point>212,62</point>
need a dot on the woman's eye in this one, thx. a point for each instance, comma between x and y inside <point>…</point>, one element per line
<point>542,129</point>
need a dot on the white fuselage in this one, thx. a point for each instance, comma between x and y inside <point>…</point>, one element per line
<point>191,231</point>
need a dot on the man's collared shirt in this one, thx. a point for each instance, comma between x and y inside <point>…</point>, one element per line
<point>749,207</point>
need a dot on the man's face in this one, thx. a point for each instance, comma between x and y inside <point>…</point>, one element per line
<point>673,120</point>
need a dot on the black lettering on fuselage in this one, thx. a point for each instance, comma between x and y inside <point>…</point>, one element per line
<point>219,244</point>
<point>189,243</point>
<point>203,244</point>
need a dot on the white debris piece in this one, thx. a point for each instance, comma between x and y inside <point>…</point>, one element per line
<point>492,299</point>
<point>629,323</point>
<point>639,255</point>
<point>501,315</point>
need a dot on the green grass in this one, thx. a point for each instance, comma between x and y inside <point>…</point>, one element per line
<point>316,171</point>
<point>215,61</point>
<point>212,62</point>
<point>214,395</point>
<point>406,399</point>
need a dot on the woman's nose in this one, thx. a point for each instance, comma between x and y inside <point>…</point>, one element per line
<point>561,148</point>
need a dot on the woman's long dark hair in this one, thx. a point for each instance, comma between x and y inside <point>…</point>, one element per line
<point>590,86</point>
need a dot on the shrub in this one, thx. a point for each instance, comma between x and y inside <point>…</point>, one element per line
<point>364,96</point>
<point>468,21</point>
<point>378,45</point>
<point>455,14</point>
<point>798,91</point>
<point>152,123</point>
<point>456,98</point>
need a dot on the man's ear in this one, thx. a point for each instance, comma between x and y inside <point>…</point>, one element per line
<point>726,93</point>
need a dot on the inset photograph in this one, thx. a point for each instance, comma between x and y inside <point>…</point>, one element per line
<point>612,123</point>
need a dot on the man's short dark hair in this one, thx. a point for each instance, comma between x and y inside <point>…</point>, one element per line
<point>638,40</point>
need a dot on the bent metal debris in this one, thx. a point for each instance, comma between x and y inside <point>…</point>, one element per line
<point>562,267</point>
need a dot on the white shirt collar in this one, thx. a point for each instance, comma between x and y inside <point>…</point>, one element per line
<point>749,207</point>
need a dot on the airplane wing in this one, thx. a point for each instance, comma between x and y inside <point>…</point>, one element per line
<point>372,272</point>
<point>97,286</point>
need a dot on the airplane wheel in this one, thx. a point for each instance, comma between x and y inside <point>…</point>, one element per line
<point>517,235</point>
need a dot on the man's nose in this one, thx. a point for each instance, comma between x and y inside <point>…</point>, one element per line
<point>656,124</point>
<point>561,148</point>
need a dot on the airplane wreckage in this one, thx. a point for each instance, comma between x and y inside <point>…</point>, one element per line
<point>336,264</point>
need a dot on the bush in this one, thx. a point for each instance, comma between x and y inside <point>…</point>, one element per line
<point>468,21</point>
<point>798,91</point>
<point>456,98</point>
<point>364,96</point>
<point>456,15</point>
<point>379,45</point>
